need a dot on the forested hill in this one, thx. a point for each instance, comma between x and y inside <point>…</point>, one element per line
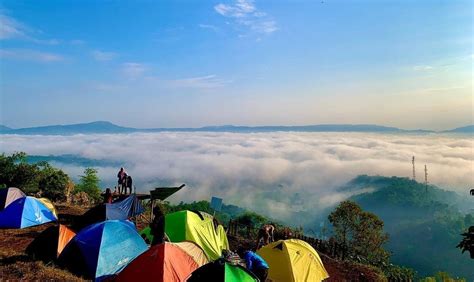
<point>424,223</point>
<point>404,192</point>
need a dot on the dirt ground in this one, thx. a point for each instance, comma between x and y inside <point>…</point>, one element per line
<point>16,265</point>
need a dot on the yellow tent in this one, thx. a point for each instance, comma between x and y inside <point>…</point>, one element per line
<point>293,261</point>
<point>49,205</point>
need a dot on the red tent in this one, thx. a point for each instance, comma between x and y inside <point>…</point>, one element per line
<point>164,262</point>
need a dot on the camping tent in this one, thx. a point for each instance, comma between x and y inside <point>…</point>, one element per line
<point>25,212</point>
<point>49,205</point>
<point>122,210</point>
<point>220,270</point>
<point>192,249</point>
<point>293,261</point>
<point>102,249</point>
<point>192,226</point>
<point>164,262</point>
<point>9,195</point>
<point>50,243</point>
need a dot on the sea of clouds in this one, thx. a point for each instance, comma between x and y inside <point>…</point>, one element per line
<point>267,172</point>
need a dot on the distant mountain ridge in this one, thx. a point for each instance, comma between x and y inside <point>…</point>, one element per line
<point>464,129</point>
<point>108,127</point>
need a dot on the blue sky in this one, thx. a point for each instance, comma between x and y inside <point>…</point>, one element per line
<point>196,63</point>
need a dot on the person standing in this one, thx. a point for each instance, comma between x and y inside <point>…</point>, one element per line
<point>157,226</point>
<point>122,178</point>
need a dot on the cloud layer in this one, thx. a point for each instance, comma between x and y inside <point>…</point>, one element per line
<point>263,171</point>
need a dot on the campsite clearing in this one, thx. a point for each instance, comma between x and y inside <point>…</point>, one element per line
<point>16,265</point>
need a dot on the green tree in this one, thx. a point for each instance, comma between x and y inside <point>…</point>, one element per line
<point>251,219</point>
<point>53,182</point>
<point>16,172</point>
<point>362,231</point>
<point>89,183</point>
<point>467,243</point>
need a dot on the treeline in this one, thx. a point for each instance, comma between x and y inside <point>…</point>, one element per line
<point>42,179</point>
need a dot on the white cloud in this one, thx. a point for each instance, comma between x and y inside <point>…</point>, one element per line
<point>10,28</point>
<point>208,81</point>
<point>13,29</point>
<point>133,70</point>
<point>30,55</point>
<point>245,13</point>
<point>422,68</point>
<point>261,171</point>
<point>103,56</point>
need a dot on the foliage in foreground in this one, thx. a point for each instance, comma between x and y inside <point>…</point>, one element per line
<point>40,178</point>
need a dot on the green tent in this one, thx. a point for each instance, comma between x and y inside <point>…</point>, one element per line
<point>196,227</point>
<point>220,270</point>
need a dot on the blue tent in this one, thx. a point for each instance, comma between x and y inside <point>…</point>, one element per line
<point>25,212</point>
<point>102,249</point>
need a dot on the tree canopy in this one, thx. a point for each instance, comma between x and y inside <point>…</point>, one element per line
<point>40,177</point>
<point>89,183</point>
<point>362,231</point>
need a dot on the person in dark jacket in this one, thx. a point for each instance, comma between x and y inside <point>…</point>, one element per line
<point>122,179</point>
<point>128,184</point>
<point>254,263</point>
<point>157,226</point>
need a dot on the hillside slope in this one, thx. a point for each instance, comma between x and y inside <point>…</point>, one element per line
<point>424,223</point>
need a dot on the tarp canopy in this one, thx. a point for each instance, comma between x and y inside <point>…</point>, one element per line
<point>191,226</point>
<point>25,212</point>
<point>293,261</point>
<point>102,249</point>
<point>48,245</point>
<point>165,262</point>
<point>9,195</point>
<point>129,207</point>
<point>125,209</point>
<point>220,270</point>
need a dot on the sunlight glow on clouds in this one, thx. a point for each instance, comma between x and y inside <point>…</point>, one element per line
<point>252,170</point>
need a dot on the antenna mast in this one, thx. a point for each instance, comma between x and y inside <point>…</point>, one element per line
<point>426,179</point>
<point>413,162</point>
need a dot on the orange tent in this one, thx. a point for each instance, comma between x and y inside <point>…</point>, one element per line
<point>65,235</point>
<point>164,262</point>
<point>48,245</point>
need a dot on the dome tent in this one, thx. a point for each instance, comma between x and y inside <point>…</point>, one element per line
<point>50,243</point>
<point>192,226</point>
<point>102,249</point>
<point>293,261</point>
<point>25,212</point>
<point>166,262</point>
<point>220,270</point>
<point>9,195</point>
